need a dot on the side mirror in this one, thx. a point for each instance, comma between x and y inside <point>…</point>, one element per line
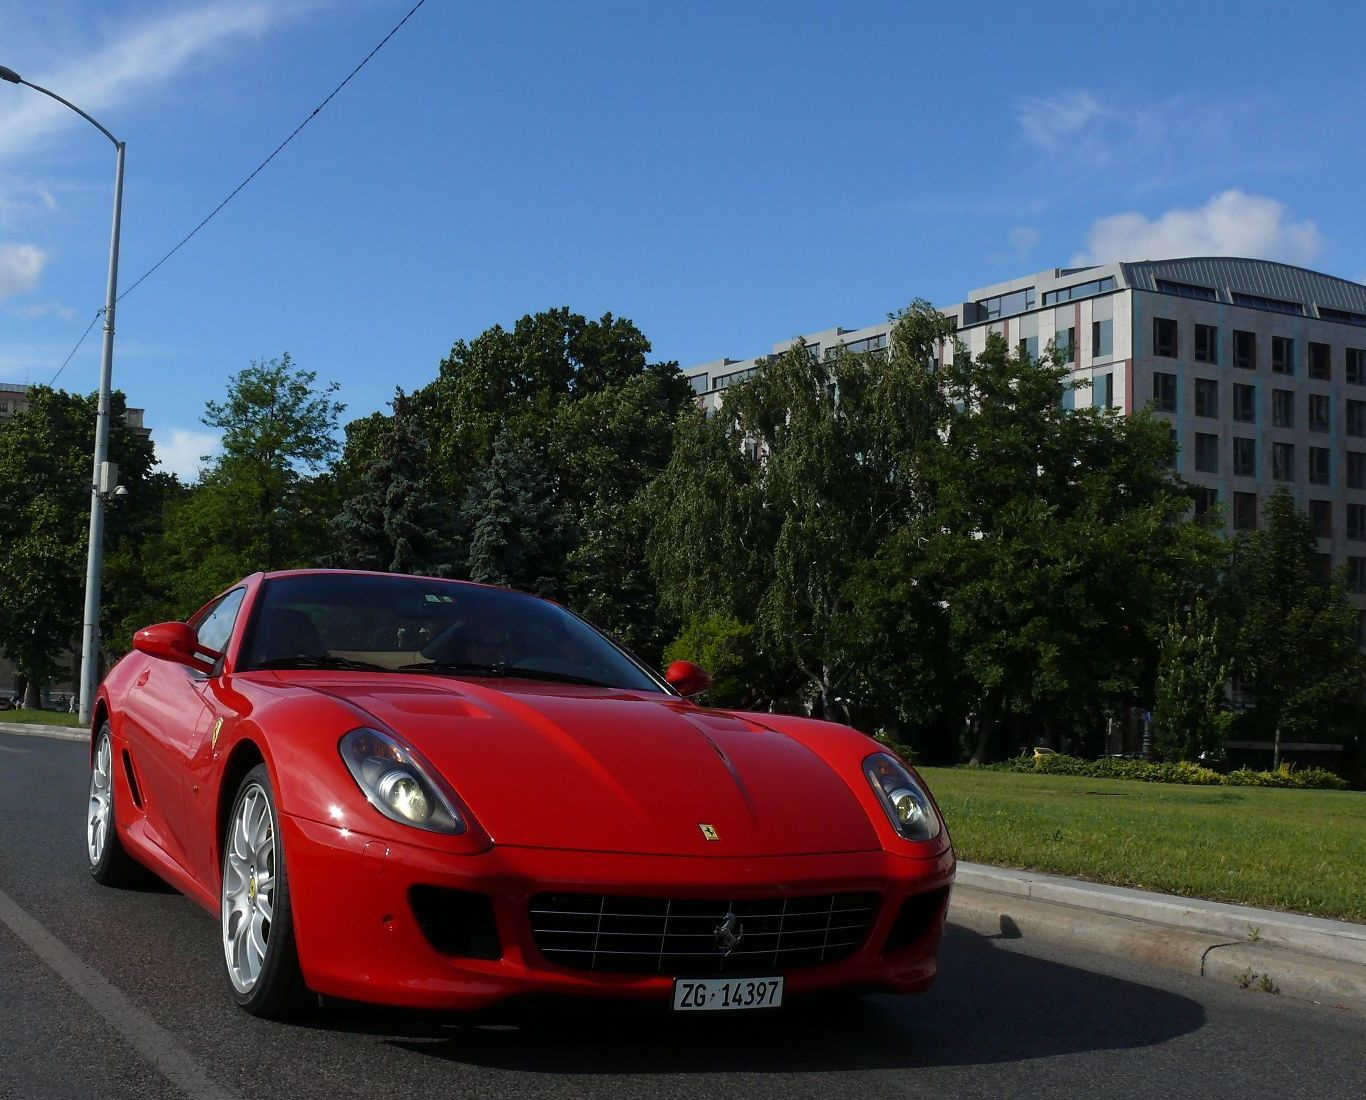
<point>175,642</point>
<point>687,678</point>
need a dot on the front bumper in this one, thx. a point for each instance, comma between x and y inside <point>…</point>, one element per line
<point>358,937</point>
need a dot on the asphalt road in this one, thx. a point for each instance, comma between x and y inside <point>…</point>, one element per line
<point>109,993</point>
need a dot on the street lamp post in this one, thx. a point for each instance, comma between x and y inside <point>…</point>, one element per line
<point>100,481</point>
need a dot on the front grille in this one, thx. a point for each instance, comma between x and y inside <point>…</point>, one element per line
<point>685,936</point>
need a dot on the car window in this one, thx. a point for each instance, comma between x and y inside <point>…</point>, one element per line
<point>215,628</point>
<point>401,622</point>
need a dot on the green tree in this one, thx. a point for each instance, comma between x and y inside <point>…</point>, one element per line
<point>264,502</point>
<point>1191,717</point>
<point>1054,544</point>
<point>1294,632</point>
<point>514,380</point>
<point>518,535</point>
<point>393,522</point>
<point>770,509</point>
<point>279,429</point>
<point>45,483</point>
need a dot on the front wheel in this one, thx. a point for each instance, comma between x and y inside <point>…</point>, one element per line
<point>258,926</point>
<point>110,863</point>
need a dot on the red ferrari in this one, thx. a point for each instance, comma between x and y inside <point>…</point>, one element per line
<point>437,794</point>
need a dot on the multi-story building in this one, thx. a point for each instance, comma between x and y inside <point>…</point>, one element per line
<point>1259,367</point>
<point>14,400</point>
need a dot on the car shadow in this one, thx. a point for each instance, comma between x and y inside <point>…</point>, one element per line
<point>990,1005</point>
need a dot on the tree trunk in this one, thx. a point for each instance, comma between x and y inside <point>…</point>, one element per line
<point>986,724</point>
<point>1276,751</point>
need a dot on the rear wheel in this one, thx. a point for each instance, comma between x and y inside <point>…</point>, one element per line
<point>110,863</point>
<point>257,921</point>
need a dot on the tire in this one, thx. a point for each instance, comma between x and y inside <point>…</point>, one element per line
<point>109,862</point>
<point>257,922</point>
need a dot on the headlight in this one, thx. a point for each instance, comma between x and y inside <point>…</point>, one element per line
<point>396,784</point>
<point>905,800</point>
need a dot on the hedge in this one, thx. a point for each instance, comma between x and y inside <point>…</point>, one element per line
<point>1179,772</point>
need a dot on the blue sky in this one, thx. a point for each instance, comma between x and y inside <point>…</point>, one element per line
<point>725,174</point>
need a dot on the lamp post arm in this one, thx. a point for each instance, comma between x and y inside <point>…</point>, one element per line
<point>64,102</point>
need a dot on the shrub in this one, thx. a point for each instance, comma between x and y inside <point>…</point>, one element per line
<point>1143,771</point>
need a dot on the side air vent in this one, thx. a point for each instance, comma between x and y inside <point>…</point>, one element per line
<point>133,787</point>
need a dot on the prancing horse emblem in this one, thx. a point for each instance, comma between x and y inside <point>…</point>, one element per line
<point>709,831</point>
<point>729,933</point>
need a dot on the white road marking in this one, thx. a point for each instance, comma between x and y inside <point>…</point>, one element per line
<point>144,1034</point>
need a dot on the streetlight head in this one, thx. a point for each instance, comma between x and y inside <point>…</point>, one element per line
<point>10,75</point>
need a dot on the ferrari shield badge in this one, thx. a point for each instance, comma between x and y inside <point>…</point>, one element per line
<point>709,831</point>
<point>217,729</point>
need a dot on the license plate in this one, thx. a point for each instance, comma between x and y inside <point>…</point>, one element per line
<point>720,994</point>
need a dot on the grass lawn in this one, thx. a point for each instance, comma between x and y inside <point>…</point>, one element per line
<point>1303,851</point>
<point>41,717</point>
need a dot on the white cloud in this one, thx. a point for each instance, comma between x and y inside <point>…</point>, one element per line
<point>144,56</point>
<point>1024,238</point>
<point>181,451</point>
<point>21,266</point>
<point>1232,223</point>
<point>1052,123</point>
<point>34,310</point>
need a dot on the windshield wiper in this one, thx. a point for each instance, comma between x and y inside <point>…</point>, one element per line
<point>455,668</point>
<point>321,662</point>
<point>500,670</point>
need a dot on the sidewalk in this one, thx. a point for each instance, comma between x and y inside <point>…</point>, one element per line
<point>1261,950</point>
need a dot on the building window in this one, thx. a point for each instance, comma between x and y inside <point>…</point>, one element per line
<point>1205,499</point>
<point>1321,568</point>
<point>1321,518</point>
<point>699,383</point>
<point>1258,301</point>
<point>1164,391</point>
<point>1187,290</point>
<point>1318,412</point>
<point>1356,366</point>
<point>1164,337</point>
<point>1029,348</point>
<point>1356,573</point>
<point>1007,305</point>
<point>1176,449</point>
<point>1356,522</point>
<point>1206,397</point>
<point>1081,290</point>
<point>1282,355</point>
<point>1206,453</point>
<point>1320,362</point>
<point>1067,344</point>
<point>1105,390</point>
<point>1245,511</point>
<point>1320,461</point>
<point>1346,316</point>
<point>1283,408</point>
<point>1244,457</point>
<point>1283,461</point>
<point>1206,344</point>
<point>1245,350</point>
<point>1245,403</point>
<point>1356,417</point>
<point>1356,469</point>
<point>1102,339</point>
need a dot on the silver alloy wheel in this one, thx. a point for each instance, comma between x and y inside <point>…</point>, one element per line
<point>101,800</point>
<point>248,887</point>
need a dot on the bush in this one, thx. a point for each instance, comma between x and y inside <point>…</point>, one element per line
<point>1143,771</point>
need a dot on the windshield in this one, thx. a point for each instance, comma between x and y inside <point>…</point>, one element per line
<point>398,623</point>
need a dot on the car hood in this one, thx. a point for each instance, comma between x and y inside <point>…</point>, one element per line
<point>556,766</point>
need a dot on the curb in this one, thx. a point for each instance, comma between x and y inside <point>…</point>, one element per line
<point>55,733</point>
<point>1303,958</point>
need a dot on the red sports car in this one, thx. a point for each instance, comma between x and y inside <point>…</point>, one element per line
<point>437,794</point>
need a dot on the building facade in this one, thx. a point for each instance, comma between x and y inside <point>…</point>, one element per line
<point>1259,367</point>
